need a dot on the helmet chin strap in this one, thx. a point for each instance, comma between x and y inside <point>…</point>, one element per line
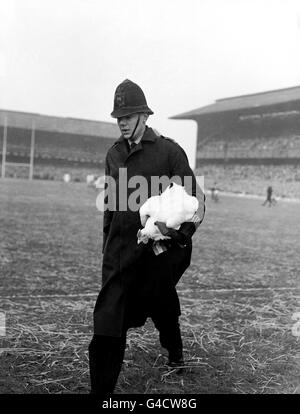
<point>136,125</point>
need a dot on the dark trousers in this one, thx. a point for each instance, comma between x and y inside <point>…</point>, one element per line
<point>106,353</point>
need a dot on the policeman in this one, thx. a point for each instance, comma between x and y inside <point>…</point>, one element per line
<point>139,280</point>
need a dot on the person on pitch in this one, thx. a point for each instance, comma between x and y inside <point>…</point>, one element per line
<point>138,280</point>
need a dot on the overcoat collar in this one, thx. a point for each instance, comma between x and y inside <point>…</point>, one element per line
<point>149,135</point>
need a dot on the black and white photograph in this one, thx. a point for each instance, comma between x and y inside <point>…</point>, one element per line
<point>149,200</point>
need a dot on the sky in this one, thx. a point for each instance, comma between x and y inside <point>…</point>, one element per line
<point>66,57</point>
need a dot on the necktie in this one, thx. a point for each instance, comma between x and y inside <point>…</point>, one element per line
<point>132,146</point>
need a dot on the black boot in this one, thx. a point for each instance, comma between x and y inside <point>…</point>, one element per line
<point>175,358</point>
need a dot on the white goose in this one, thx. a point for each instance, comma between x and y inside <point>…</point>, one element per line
<point>173,207</point>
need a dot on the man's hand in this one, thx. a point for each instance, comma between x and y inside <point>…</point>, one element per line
<point>172,233</point>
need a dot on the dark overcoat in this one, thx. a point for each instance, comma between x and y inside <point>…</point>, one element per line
<point>136,283</point>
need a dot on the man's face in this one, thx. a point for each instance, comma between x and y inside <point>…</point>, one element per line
<point>128,123</point>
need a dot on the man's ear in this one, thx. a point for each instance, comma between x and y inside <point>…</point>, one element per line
<point>145,117</point>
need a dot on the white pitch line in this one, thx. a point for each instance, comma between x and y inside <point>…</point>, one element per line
<point>198,290</point>
<point>245,289</point>
<point>49,296</point>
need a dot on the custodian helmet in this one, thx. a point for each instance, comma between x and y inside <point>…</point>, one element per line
<point>129,99</point>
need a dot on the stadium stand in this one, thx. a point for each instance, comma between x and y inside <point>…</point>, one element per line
<point>248,142</point>
<point>56,146</point>
<point>61,145</point>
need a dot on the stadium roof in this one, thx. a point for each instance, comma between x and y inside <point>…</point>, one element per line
<point>24,120</point>
<point>256,101</point>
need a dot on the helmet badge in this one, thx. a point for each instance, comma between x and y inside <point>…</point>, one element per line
<point>120,98</point>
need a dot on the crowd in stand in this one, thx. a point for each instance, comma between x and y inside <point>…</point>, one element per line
<point>244,177</point>
<point>262,147</point>
<point>56,173</point>
<point>252,179</point>
<point>61,153</point>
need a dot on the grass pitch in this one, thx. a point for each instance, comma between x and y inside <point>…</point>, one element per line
<point>239,297</point>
